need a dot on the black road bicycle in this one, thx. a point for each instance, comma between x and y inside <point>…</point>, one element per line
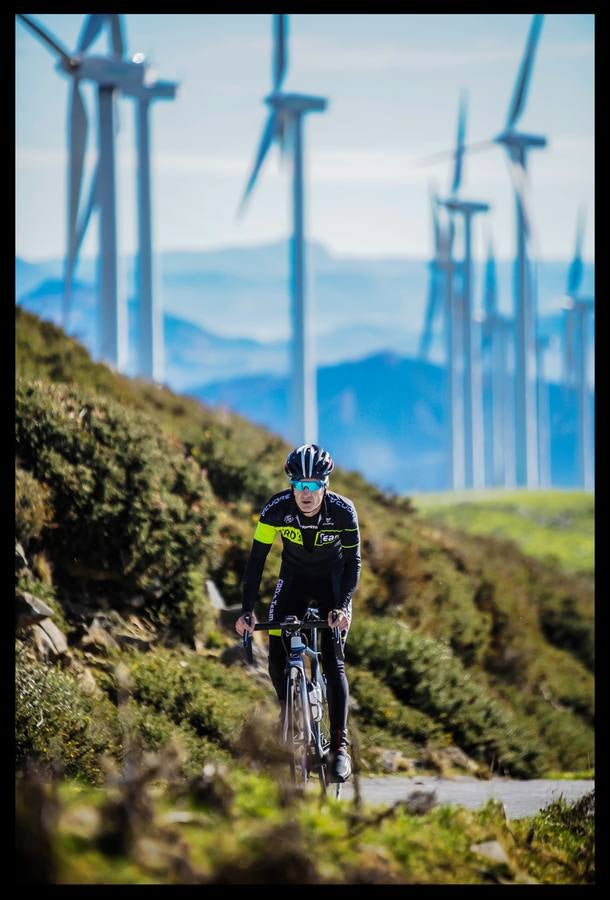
<point>306,724</point>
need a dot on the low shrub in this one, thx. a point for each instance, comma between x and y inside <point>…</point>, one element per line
<point>203,694</point>
<point>564,625</point>
<point>157,729</point>
<point>377,705</point>
<point>56,722</point>
<point>427,675</point>
<point>33,507</point>
<point>130,509</point>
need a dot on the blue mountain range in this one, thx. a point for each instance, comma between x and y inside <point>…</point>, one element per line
<point>381,409</point>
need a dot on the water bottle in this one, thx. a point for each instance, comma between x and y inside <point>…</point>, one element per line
<point>315,698</point>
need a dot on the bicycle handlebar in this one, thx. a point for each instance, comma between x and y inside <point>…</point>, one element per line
<point>292,624</point>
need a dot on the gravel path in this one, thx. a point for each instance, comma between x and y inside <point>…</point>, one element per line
<point>520,798</point>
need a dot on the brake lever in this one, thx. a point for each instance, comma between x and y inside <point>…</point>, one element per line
<point>247,643</point>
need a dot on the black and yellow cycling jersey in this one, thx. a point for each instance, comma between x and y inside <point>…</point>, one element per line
<point>326,545</point>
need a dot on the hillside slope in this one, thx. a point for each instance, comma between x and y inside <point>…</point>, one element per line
<point>554,525</point>
<point>129,498</point>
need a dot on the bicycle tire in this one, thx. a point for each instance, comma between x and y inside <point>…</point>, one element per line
<point>296,732</point>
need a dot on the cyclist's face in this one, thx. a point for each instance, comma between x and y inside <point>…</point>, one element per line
<point>308,501</point>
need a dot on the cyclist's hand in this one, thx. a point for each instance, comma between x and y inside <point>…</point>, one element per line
<point>338,619</point>
<point>241,625</point>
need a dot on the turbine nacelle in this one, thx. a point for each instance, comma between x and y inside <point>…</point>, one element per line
<point>104,71</point>
<point>520,141</point>
<point>157,90</point>
<point>469,207</point>
<point>296,103</point>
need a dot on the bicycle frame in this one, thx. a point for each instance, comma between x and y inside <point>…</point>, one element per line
<point>297,692</point>
<point>296,675</point>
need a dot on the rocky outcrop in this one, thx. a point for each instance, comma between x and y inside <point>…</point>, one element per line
<point>30,610</point>
<point>394,761</point>
<point>446,759</point>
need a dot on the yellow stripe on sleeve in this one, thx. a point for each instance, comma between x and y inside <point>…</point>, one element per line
<point>264,533</point>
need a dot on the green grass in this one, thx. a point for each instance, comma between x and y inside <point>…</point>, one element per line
<point>543,524</point>
<point>264,834</point>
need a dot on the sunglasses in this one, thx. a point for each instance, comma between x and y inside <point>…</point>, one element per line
<point>310,485</point>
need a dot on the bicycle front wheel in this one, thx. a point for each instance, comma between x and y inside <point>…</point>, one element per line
<point>296,730</point>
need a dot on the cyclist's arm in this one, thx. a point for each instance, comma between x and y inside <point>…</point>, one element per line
<point>261,545</point>
<point>350,545</point>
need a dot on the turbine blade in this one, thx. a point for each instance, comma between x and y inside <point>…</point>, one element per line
<point>90,30</point>
<point>436,226</point>
<point>477,147</point>
<point>450,236</point>
<point>47,37</point>
<point>280,49</point>
<point>576,268</point>
<point>523,78</point>
<point>568,346</point>
<point>431,308</point>
<point>86,215</point>
<point>117,35</point>
<point>459,147</point>
<point>265,142</point>
<point>490,296</point>
<point>521,184</point>
<point>78,139</point>
<point>281,131</point>
<point>77,240</point>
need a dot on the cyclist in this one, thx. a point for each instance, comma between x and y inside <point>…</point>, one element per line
<point>320,562</point>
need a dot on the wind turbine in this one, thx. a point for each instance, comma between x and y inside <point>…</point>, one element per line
<point>578,314</point>
<point>285,124</point>
<point>516,145</point>
<point>473,414</point>
<point>110,75</point>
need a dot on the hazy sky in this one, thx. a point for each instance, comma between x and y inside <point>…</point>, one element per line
<point>393,85</point>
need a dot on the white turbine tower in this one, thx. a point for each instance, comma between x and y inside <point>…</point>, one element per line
<point>473,413</point>
<point>544,423</point>
<point>498,341</point>
<point>110,75</point>
<point>285,124</point>
<point>150,362</point>
<point>442,292</point>
<point>150,358</point>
